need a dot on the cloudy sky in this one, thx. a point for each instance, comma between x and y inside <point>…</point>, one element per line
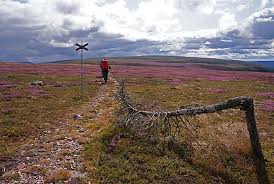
<point>46,30</point>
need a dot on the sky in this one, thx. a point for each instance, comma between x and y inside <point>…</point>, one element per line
<point>47,30</point>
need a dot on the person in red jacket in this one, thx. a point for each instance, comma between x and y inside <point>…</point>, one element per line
<point>105,67</point>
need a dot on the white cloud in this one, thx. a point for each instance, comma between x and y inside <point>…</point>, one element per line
<point>242,7</point>
<point>60,44</point>
<point>204,6</point>
<point>264,3</point>
<point>227,21</point>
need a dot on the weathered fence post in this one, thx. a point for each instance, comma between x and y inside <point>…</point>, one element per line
<point>245,103</point>
<point>258,157</point>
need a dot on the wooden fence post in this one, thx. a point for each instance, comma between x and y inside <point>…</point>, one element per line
<point>245,103</point>
<point>258,157</point>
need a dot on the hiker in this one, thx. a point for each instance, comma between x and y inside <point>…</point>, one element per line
<point>105,67</point>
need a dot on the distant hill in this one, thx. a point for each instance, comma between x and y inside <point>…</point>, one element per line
<point>265,64</point>
<point>19,62</point>
<point>178,61</point>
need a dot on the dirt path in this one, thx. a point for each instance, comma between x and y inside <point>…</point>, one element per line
<point>57,155</point>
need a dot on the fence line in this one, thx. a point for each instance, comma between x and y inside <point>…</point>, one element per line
<point>141,121</point>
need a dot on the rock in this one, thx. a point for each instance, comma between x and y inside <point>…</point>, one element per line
<point>75,180</point>
<point>37,83</point>
<point>21,166</point>
<point>47,132</point>
<point>77,117</point>
<point>58,84</point>
<point>2,170</point>
<point>82,129</point>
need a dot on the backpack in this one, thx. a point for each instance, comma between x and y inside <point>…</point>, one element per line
<point>104,65</point>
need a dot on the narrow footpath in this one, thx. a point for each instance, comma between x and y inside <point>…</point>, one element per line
<point>58,153</point>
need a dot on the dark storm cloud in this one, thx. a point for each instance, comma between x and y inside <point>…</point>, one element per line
<point>262,25</point>
<point>23,44</point>
<point>14,41</point>
<point>102,44</point>
<point>20,42</point>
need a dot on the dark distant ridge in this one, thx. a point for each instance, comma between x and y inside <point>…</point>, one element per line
<point>19,62</point>
<point>178,61</point>
<point>265,64</point>
<point>25,62</point>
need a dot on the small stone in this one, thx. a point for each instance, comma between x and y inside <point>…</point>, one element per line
<point>37,83</point>
<point>77,117</point>
<point>2,170</point>
<point>82,130</point>
<point>47,132</point>
<point>75,180</point>
<point>58,84</point>
<point>21,166</point>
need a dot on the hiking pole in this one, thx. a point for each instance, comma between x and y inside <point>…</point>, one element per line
<point>81,47</point>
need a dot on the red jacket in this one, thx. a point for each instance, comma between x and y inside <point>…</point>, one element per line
<point>104,64</point>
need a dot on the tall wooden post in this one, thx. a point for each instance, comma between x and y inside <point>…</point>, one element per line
<point>81,47</point>
<point>82,73</point>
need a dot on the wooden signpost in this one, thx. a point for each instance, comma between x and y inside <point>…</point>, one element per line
<point>81,47</point>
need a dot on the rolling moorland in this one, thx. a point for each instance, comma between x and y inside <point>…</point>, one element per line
<point>41,140</point>
<point>179,61</point>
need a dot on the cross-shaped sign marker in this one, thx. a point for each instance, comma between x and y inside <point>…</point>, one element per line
<point>81,46</point>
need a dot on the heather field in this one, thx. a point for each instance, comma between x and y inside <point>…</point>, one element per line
<point>218,151</point>
<point>27,110</point>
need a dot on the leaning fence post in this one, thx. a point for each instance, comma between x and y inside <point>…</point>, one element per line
<point>258,157</point>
